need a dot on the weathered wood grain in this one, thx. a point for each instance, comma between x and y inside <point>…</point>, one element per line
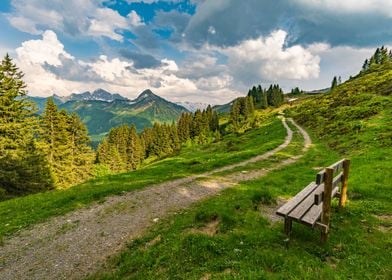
<point>297,199</point>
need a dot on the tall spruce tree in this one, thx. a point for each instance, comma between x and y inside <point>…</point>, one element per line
<point>334,83</point>
<point>82,156</point>
<point>134,149</point>
<point>67,146</point>
<point>23,167</point>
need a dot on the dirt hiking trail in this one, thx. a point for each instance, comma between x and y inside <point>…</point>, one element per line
<point>75,245</point>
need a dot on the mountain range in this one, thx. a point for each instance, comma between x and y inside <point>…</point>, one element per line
<point>101,110</point>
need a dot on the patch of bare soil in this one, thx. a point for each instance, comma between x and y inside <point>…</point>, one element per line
<point>269,211</point>
<point>77,244</point>
<point>385,223</point>
<point>209,229</point>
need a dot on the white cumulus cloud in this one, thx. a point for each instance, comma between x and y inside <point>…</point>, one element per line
<point>267,59</point>
<point>72,17</point>
<point>46,50</point>
<point>50,69</point>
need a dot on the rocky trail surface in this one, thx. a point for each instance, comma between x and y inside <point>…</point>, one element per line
<point>76,244</point>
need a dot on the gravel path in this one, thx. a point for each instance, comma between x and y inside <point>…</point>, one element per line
<point>78,243</point>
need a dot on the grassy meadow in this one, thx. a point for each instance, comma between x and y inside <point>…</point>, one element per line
<point>18,213</point>
<point>236,235</point>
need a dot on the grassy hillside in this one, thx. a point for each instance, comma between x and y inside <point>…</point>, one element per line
<point>19,213</point>
<point>356,116</point>
<point>232,236</point>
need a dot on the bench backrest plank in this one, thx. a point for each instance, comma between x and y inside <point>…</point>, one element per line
<point>320,177</point>
<point>318,195</point>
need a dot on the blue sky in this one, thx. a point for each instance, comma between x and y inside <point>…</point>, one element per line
<point>197,50</point>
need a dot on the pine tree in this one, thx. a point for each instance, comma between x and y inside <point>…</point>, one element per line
<point>365,65</point>
<point>334,83</point>
<point>235,114</point>
<point>134,149</point>
<point>66,144</point>
<point>197,124</point>
<point>184,127</point>
<point>214,125</point>
<point>174,139</point>
<point>82,156</point>
<point>23,167</point>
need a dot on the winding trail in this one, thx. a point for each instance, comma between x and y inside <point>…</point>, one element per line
<point>78,243</point>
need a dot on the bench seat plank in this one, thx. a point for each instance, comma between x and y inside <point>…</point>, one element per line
<point>312,216</point>
<point>314,213</point>
<point>285,209</point>
<point>305,205</point>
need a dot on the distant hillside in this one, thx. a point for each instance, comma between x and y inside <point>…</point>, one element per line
<point>101,110</point>
<point>225,108</point>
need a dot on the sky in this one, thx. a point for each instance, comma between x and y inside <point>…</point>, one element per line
<point>208,51</point>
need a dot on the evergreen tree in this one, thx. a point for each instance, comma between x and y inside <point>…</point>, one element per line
<point>23,168</point>
<point>66,142</point>
<point>365,65</point>
<point>235,114</point>
<point>264,100</point>
<point>214,125</point>
<point>134,150</point>
<point>295,91</point>
<point>82,155</point>
<point>184,127</point>
<point>334,83</point>
<point>380,56</point>
<point>197,123</point>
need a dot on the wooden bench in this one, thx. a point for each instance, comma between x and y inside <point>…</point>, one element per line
<point>312,205</point>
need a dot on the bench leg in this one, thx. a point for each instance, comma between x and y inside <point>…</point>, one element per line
<point>324,234</point>
<point>288,224</point>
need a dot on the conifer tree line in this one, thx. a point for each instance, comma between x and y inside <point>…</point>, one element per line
<point>241,111</point>
<point>380,56</point>
<point>36,153</point>
<point>296,91</point>
<point>124,149</point>
<point>263,98</point>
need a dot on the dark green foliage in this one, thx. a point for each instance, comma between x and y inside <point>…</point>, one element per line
<point>335,82</point>
<point>380,56</point>
<point>241,111</point>
<point>67,146</point>
<point>296,91</point>
<point>184,127</point>
<point>275,96</point>
<point>124,149</point>
<point>23,167</point>
<point>262,98</point>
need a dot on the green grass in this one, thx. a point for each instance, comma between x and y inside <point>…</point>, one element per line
<point>354,121</point>
<point>19,213</point>
<point>248,246</point>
